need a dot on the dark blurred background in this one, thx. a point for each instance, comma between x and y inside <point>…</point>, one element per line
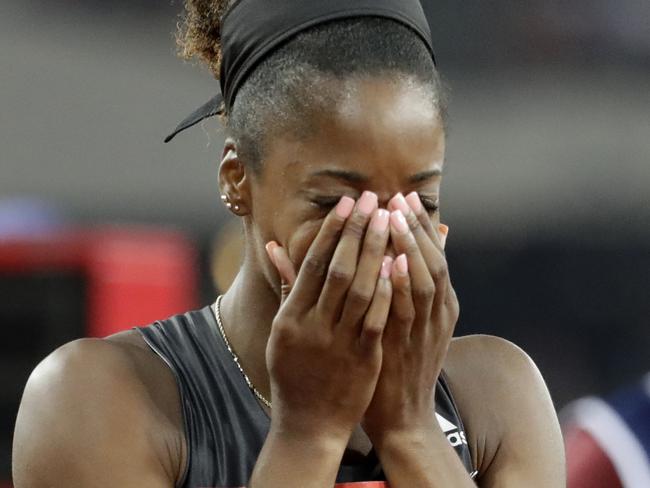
<point>547,190</point>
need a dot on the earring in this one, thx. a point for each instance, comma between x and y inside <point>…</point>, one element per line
<point>229,205</point>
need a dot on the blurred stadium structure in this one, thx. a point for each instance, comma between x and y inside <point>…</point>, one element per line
<point>547,191</point>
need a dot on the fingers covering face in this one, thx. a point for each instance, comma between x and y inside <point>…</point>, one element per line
<point>340,273</point>
<point>313,270</point>
<point>426,237</point>
<point>374,322</point>
<point>361,291</point>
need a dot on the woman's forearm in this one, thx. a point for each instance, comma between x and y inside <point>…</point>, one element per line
<point>288,460</point>
<point>423,459</point>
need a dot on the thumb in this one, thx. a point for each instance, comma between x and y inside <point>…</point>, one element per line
<point>280,259</point>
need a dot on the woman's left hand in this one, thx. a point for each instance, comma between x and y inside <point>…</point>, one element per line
<point>423,315</point>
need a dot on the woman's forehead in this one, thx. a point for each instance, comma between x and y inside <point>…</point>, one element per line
<point>380,130</point>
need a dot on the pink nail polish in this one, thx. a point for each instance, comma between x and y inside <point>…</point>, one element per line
<point>380,221</point>
<point>367,203</point>
<point>399,203</point>
<point>402,264</point>
<point>344,207</point>
<point>270,247</point>
<point>413,199</point>
<point>386,267</point>
<point>398,221</point>
<point>444,232</point>
<point>277,257</point>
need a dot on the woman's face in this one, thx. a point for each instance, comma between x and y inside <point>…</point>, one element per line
<point>386,138</point>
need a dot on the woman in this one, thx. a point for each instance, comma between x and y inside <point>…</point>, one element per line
<point>330,358</point>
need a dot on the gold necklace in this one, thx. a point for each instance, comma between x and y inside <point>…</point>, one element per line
<point>217,315</point>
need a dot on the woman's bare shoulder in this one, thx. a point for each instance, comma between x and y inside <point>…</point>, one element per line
<point>469,355</point>
<point>505,405</point>
<point>111,390</point>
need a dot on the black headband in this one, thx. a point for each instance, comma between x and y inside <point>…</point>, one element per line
<point>252,29</point>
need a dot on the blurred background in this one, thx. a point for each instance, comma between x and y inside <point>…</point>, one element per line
<point>547,186</point>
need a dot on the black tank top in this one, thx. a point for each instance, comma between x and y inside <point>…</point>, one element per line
<point>225,426</point>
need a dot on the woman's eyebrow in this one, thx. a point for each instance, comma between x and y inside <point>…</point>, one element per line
<point>349,176</point>
<point>356,178</point>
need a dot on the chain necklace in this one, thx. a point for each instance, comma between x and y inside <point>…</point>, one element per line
<point>217,315</point>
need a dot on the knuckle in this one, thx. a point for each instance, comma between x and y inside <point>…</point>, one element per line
<point>355,227</point>
<point>424,293</point>
<point>283,331</point>
<point>440,271</point>
<point>414,222</point>
<point>373,329</point>
<point>453,305</point>
<point>314,265</point>
<point>455,312</point>
<point>360,297</point>
<point>403,314</point>
<point>340,274</point>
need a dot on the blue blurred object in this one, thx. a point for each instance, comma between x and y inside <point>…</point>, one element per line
<point>22,217</point>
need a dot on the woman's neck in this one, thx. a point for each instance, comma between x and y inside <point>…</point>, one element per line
<point>247,311</point>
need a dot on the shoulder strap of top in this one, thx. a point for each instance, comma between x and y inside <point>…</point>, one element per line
<point>219,410</point>
<point>451,423</point>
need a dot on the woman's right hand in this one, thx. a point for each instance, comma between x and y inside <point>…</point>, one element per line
<point>324,352</point>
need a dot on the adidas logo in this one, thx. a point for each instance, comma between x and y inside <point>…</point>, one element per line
<point>455,436</point>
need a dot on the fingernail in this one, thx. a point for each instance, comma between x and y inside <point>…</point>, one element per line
<point>344,207</point>
<point>277,256</point>
<point>402,264</point>
<point>398,221</point>
<point>380,221</point>
<point>444,232</point>
<point>386,267</point>
<point>399,203</point>
<point>367,203</point>
<point>270,247</point>
<point>413,199</point>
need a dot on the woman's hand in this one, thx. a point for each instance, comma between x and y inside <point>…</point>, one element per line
<point>324,351</point>
<point>423,314</point>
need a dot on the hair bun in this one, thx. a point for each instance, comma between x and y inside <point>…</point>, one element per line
<point>199,33</point>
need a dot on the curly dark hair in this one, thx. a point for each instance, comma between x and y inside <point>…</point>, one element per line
<point>291,83</point>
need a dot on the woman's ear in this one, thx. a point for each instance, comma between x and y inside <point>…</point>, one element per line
<point>234,180</point>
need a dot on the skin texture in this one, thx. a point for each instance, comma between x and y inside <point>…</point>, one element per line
<point>299,305</point>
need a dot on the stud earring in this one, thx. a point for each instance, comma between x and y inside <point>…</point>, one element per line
<point>229,205</point>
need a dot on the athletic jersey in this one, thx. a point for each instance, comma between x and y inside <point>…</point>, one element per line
<point>225,426</point>
<point>608,440</point>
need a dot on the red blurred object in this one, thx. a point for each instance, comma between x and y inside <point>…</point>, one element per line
<point>134,275</point>
<point>588,466</point>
